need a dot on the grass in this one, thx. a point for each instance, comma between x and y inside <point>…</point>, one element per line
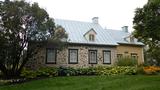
<point>137,82</point>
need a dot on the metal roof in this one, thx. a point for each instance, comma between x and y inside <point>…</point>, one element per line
<point>119,36</point>
<point>77,29</point>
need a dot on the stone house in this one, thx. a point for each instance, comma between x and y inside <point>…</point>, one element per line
<point>88,44</point>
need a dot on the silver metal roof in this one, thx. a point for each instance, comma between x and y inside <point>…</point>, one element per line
<point>77,29</point>
<point>119,36</point>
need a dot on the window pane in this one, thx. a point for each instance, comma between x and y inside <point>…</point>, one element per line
<point>73,56</point>
<point>119,56</point>
<point>91,37</point>
<point>107,57</point>
<point>134,55</point>
<point>93,57</point>
<point>51,56</point>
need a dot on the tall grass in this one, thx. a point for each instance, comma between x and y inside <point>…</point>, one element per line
<point>126,61</point>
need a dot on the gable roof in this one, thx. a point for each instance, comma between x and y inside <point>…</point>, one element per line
<point>77,29</point>
<point>90,31</point>
<point>120,36</point>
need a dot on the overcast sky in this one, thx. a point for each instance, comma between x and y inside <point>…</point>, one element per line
<point>113,14</point>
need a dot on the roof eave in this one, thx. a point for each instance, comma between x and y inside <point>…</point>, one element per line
<point>136,44</point>
<point>92,44</point>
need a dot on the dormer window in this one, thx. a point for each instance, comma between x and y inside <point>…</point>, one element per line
<point>91,37</point>
<point>131,39</point>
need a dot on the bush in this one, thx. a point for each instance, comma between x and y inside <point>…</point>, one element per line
<point>41,72</point>
<point>28,74</point>
<point>140,70</point>
<point>116,70</point>
<point>66,71</point>
<point>126,61</point>
<point>0,73</point>
<point>86,71</point>
<point>47,72</point>
<point>151,70</point>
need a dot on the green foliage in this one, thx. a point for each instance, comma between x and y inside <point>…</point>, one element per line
<point>140,70</point>
<point>47,72</point>
<point>100,70</point>
<point>66,71</point>
<point>69,71</point>
<point>41,72</point>
<point>86,71</point>
<point>29,74</point>
<point>116,70</point>
<point>126,61</point>
<point>21,24</point>
<point>147,28</point>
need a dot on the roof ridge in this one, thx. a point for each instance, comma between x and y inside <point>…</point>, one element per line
<point>73,20</point>
<point>117,30</point>
<point>113,29</point>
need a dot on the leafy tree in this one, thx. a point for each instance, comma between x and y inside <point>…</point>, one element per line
<point>21,25</point>
<point>147,27</point>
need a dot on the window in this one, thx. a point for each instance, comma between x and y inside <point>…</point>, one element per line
<point>91,37</point>
<point>50,56</point>
<point>73,56</point>
<point>131,39</point>
<point>107,57</point>
<point>134,56</point>
<point>92,57</point>
<point>119,55</point>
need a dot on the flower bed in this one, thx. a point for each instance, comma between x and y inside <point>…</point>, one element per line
<point>150,70</point>
<point>69,71</point>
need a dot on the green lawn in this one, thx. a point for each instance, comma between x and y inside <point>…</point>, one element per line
<point>137,82</point>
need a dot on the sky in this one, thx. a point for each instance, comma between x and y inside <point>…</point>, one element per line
<point>113,14</point>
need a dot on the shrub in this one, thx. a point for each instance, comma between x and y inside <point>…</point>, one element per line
<point>126,61</point>
<point>66,71</point>
<point>41,72</point>
<point>151,70</point>
<point>86,71</point>
<point>47,72</point>
<point>28,74</point>
<point>0,73</point>
<point>116,70</point>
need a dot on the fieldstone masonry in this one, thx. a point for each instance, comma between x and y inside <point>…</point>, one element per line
<point>62,57</point>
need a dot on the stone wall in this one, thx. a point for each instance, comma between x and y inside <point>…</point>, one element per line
<point>121,49</point>
<point>62,56</point>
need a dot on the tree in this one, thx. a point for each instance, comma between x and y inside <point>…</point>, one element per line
<point>147,27</point>
<point>21,24</point>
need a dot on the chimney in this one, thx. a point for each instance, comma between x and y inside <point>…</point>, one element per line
<point>125,29</point>
<point>95,20</point>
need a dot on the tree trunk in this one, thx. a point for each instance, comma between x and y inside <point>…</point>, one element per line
<point>9,74</point>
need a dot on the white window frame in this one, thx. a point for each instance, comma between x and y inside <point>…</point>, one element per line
<point>104,57</point>
<point>134,56</point>
<point>95,57</point>
<point>91,37</point>
<point>54,52</point>
<point>70,57</point>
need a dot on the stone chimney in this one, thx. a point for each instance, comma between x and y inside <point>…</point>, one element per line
<point>95,20</point>
<point>125,29</point>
